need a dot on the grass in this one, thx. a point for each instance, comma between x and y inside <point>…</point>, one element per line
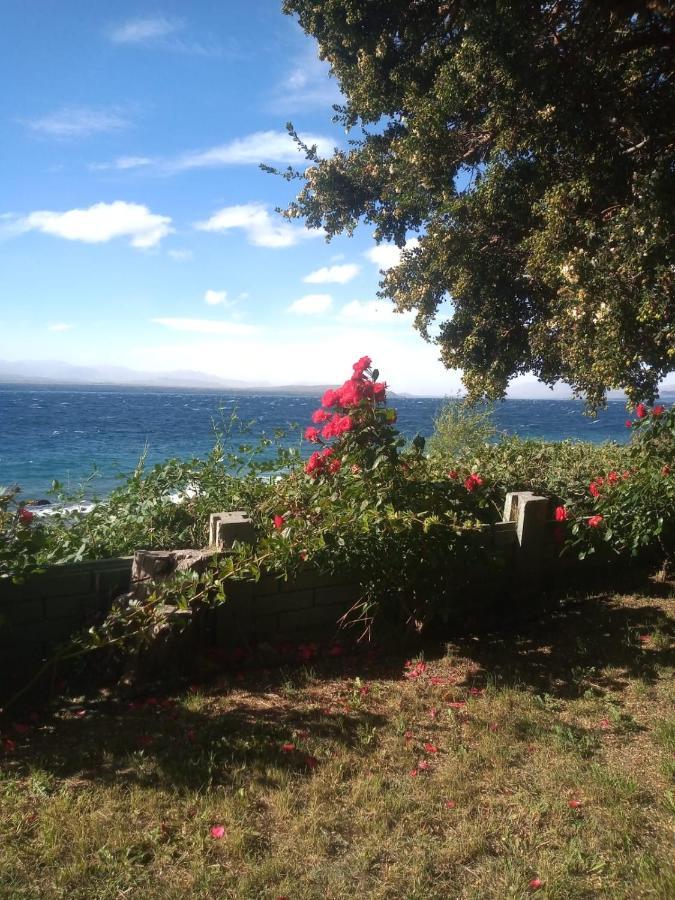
<point>498,759</point>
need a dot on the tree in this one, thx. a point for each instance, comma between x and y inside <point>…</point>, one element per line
<point>530,146</point>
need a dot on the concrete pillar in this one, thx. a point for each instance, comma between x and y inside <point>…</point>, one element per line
<point>530,513</point>
<point>227,527</point>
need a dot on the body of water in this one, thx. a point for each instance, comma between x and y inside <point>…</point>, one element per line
<point>63,433</point>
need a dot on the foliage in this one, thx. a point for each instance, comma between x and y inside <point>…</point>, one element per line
<point>461,431</point>
<point>21,538</point>
<point>633,510</point>
<point>529,145</point>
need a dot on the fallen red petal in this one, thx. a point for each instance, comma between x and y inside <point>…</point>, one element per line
<point>217,832</point>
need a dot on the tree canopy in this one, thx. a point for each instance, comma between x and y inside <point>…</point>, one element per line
<point>530,147</point>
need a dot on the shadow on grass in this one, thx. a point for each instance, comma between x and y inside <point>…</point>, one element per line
<point>623,628</point>
<point>263,721</point>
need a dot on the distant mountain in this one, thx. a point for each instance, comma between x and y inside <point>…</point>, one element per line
<point>55,372</point>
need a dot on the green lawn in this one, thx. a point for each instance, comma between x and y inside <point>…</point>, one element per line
<point>544,754</point>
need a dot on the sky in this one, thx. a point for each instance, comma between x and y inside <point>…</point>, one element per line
<point>136,227</point>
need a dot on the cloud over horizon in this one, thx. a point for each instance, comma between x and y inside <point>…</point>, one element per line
<point>100,223</point>
<point>333,274</point>
<point>205,326</point>
<point>311,305</point>
<point>71,122</point>
<point>256,222</point>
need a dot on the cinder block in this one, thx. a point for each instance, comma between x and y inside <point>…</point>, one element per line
<point>280,603</point>
<point>322,618</point>
<point>62,607</point>
<point>344,594</point>
<point>22,611</point>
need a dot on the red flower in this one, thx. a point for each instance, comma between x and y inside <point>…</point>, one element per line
<point>594,489</point>
<point>278,521</point>
<point>287,748</point>
<point>561,514</point>
<point>319,416</point>
<point>330,398</point>
<point>665,471</point>
<point>314,464</point>
<point>629,423</point>
<point>453,474</point>
<point>217,832</point>
<point>449,804</point>
<point>413,773</point>
<point>594,521</point>
<point>335,466</point>
<point>26,515</point>
<point>433,712</point>
<point>640,410</point>
<point>472,482</point>
<point>423,765</point>
<point>458,704</point>
<point>574,804</point>
<point>311,761</point>
<point>658,411</point>
<point>351,393</point>
<point>9,745</point>
<point>431,748</point>
<point>536,884</point>
<point>361,365</point>
<point>379,392</point>
<point>312,434</point>
<point>613,477</point>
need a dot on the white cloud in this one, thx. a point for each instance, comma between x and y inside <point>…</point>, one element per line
<point>206,326</point>
<point>259,226</point>
<point>79,122</point>
<point>333,274</point>
<point>122,164</point>
<point>386,256</point>
<point>271,147</point>
<point>374,311</point>
<point>311,305</point>
<point>214,298</point>
<point>145,30</point>
<point>60,326</point>
<point>181,255</point>
<point>308,85</point>
<point>262,146</point>
<point>100,223</point>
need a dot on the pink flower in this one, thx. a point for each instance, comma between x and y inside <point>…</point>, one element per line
<point>278,521</point>
<point>330,398</point>
<point>217,832</point>
<point>658,411</point>
<point>595,521</point>
<point>449,804</point>
<point>561,514</point>
<point>629,423</point>
<point>605,723</point>
<point>319,416</point>
<point>413,773</point>
<point>312,434</point>
<point>423,765</point>
<point>640,410</point>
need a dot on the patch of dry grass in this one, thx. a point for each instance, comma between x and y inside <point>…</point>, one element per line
<point>545,754</point>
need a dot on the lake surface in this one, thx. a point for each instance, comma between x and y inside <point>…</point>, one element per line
<point>62,433</point>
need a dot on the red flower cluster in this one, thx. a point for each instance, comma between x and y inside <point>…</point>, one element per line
<point>25,515</point>
<point>561,514</point>
<point>472,482</point>
<point>337,413</point>
<point>595,521</point>
<point>318,462</point>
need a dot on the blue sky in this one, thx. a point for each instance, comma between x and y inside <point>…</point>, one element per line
<point>136,228</point>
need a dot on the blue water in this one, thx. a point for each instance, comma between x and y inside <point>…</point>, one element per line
<point>49,433</point>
